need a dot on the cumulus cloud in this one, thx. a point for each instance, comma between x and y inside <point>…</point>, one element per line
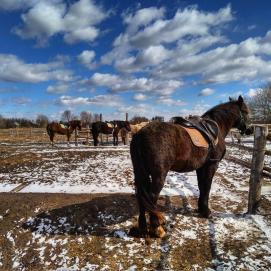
<point>198,109</point>
<point>58,89</point>
<point>21,101</point>
<point>101,100</point>
<point>169,101</point>
<point>116,84</point>
<point>182,46</point>
<point>13,69</point>
<point>140,97</point>
<point>86,59</point>
<point>47,18</point>
<point>150,40</point>
<point>206,92</point>
<point>16,4</point>
<point>189,21</point>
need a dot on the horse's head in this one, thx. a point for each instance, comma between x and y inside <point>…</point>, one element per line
<point>241,112</point>
<point>126,125</point>
<point>76,124</point>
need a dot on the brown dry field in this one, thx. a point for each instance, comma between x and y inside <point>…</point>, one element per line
<point>41,231</point>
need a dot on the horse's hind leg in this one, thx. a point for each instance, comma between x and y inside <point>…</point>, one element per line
<point>205,177</point>
<point>156,218</point>
<point>95,139</point>
<point>142,223</point>
<point>52,139</point>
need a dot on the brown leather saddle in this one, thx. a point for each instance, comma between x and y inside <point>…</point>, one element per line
<point>203,132</point>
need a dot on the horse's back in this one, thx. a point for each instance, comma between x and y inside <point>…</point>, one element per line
<point>167,145</point>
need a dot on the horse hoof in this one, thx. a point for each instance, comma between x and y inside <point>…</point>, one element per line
<point>134,232</point>
<point>158,232</point>
<point>205,213</point>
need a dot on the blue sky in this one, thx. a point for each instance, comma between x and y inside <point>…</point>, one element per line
<point>169,58</point>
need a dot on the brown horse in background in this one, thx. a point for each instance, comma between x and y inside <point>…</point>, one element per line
<point>56,128</point>
<point>134,129</point>
<point>160,147</point>
<point>108,128</point>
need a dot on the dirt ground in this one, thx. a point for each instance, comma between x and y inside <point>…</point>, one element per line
<point>91,230</point>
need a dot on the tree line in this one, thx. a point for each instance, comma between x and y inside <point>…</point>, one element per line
<point>259,104</point>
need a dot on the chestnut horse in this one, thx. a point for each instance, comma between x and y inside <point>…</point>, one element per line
<point>134,129</point>
<point>56,128</point>
<point>160,147</point>
<point>108,128</point>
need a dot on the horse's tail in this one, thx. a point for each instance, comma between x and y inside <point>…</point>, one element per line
<point>142,178</point>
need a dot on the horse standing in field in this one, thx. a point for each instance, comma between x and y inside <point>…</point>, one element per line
<point>57,128</point>
<point>108,128</point>
<point>160,147</point>
<point>134,129</point>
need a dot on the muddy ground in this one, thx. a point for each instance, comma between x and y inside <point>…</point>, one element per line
<point>90,231</point>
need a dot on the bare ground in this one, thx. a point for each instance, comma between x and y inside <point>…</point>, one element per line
<point>47,231</point>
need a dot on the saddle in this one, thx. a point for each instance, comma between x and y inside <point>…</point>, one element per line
<point>203,132</point>
<point>63,126</point>
<point>110,125</point>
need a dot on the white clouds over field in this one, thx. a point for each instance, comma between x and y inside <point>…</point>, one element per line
<point>77,22</point>
<point>150,57</point>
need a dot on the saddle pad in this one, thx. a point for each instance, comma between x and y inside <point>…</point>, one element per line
<point>110,125</point>
<point>62,126</point>
<point>197,138</point>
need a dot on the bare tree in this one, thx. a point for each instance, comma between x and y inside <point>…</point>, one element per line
<point>260,105</point>
<point>42,121</point>
<point>86,118</point>
<point>158,118</point>
<point>96,117</point>
<point>66,115</point>
<point>138,119</point>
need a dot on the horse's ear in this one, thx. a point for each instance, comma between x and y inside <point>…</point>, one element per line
<point>230,99</point>
<point>240,99</point>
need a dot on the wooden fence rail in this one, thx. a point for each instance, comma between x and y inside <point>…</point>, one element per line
<point>242,147</point>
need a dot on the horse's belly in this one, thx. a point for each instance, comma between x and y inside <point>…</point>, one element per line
<point>189,164</point>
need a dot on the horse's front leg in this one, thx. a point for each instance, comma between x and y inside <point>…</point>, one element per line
<point>205,176</point>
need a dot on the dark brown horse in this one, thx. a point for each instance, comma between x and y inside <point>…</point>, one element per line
<point>57,128</point>
<point>108,128</point>
<point>160,147</point>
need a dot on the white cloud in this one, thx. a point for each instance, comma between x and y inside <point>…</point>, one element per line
<point>86,59</point>
<point>116,83</point>
<point>140,97</point>
<point>21,101</point>
<point>58,89</point>
<point>198,109</point>
<point>101,100</point>
<point>47,18</point>
<point>189,21</point>
<point>16,4</point>
<point>142,17</point>
<point>143,45</point>
<point>206,92</point>
<point>13,69</point>
<point>169,101</point>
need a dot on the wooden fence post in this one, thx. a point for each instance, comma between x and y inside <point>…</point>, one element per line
<point>101,135</point>
<point>255,181</point>
<point>127,134</point>
<point>76,136</point>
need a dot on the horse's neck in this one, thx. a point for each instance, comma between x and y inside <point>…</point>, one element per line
<point>224,119</point>
<point>71,129</point>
